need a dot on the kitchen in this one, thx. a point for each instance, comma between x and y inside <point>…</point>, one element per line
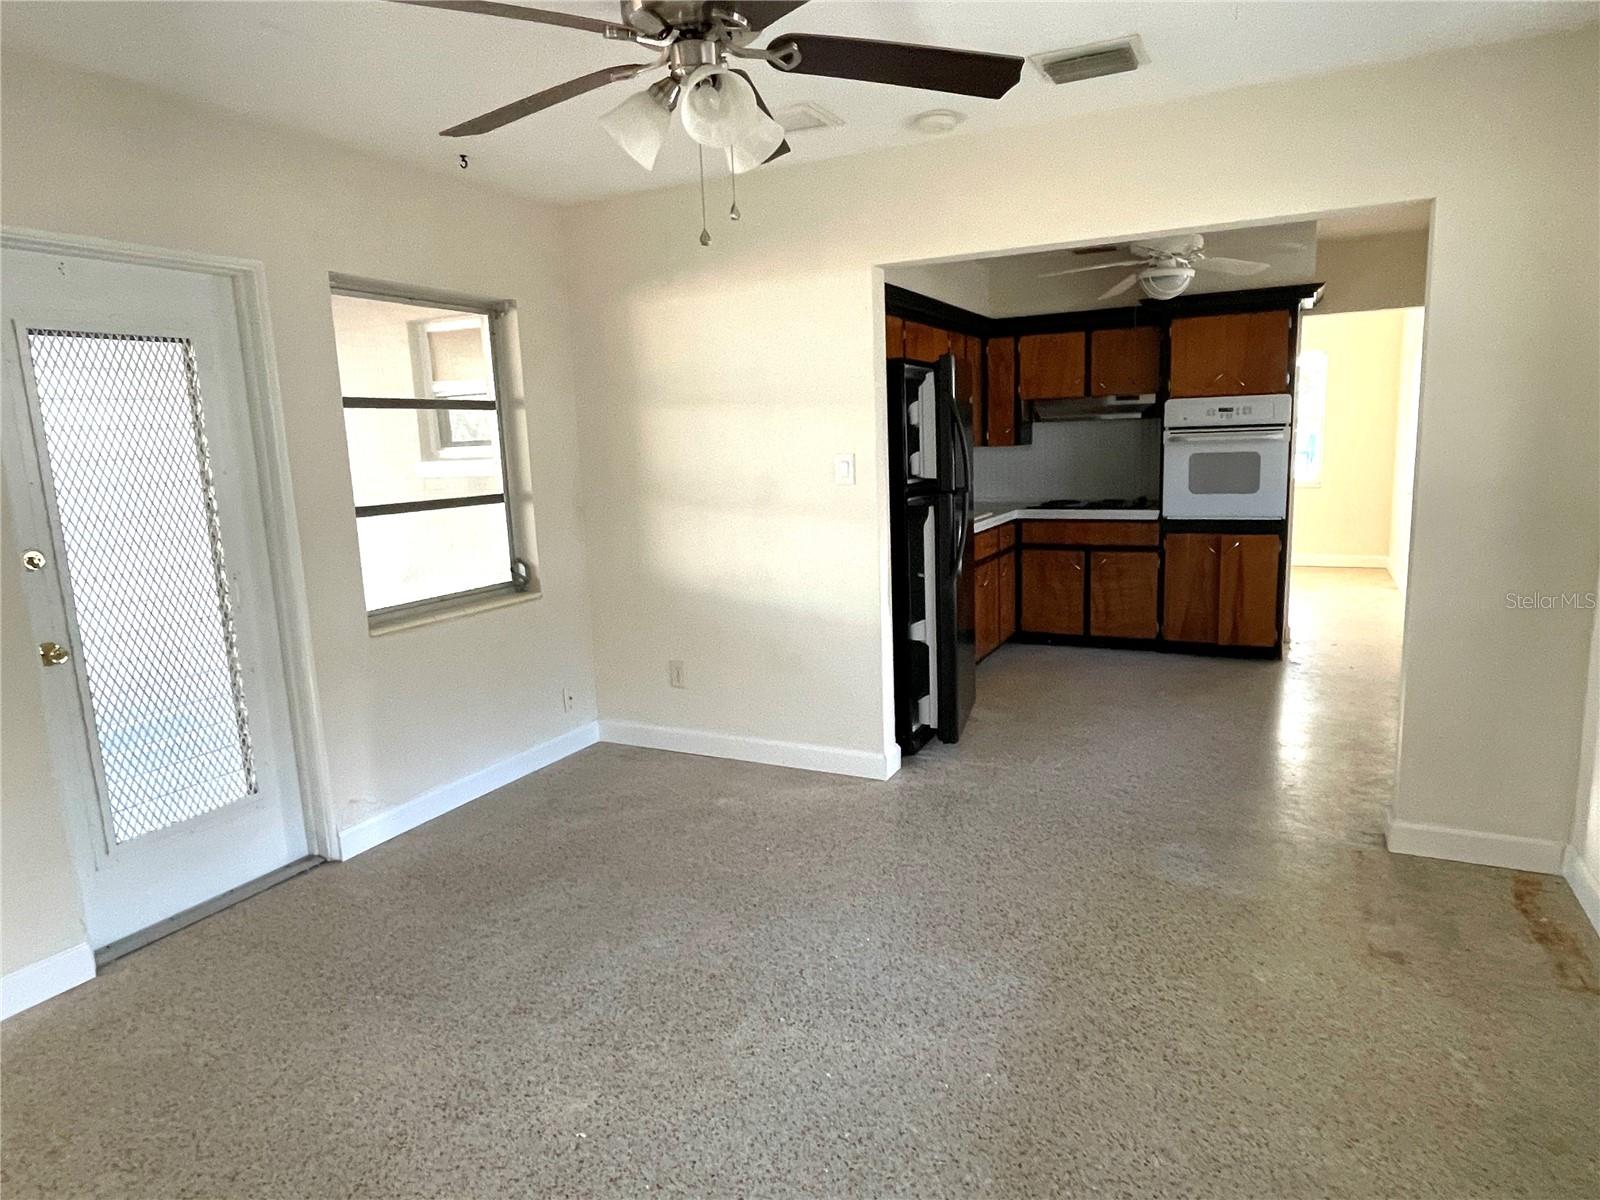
<point>1093,476</point>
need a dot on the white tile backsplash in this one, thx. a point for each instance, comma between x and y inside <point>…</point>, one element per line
<point>1073,460</point>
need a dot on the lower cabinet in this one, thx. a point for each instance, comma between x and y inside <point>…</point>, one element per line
<point>994,586</point>
<point>1222,588</point>
<point>1008,597</point>
<point>1052,591</point>
<point>1123,586</point>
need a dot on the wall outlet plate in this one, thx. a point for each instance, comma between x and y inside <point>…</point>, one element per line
<point>844,470</point>
<point>569,699</point>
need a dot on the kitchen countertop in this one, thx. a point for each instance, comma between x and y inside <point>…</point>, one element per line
<point>991,513</point>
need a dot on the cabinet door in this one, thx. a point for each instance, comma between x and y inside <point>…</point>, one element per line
<point>1192,571</point>
<point>894,337</point>
<point>986,586</point>
<point>1247,597</point>
<point>1125,362</point>
<point>1052,591</point>
<point>1122,593</point>
<point>1008,597</point>
<point>1000,354</point>
<point>925,343</point>
<point>1237,354</point>
<point>1050,366</point>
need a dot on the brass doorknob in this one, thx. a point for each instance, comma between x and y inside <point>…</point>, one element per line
<point>52,653</point>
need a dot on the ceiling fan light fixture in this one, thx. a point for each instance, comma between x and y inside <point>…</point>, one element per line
<point>1165,283</point>
<point>720,110</point>
<point>639,124</point>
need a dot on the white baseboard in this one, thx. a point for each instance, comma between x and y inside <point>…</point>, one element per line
<point>1472,846</point>
<point>378,829</point>
<point>806,756</point>
<point>37,982</point>
<point>1375,561</point>
<point>1581,879</point>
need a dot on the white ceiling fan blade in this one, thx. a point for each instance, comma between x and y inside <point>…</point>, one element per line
<point>1125,262</point>
<point>1232,266</point>
<point>1117,289</point>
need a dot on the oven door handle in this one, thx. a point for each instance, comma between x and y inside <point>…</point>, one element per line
<point>1231,435</point>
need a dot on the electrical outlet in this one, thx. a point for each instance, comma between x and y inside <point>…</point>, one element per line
<point>569,699</point>
<point>675,673</point>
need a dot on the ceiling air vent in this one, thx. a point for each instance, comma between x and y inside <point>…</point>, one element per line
<point>798,118</point>
<point>1090,62</point>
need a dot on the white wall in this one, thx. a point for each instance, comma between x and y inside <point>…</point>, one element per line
<point>1073,460</point>
<point>1405,447</point>
<point>1583,851</point>
<point>1344,520</point>
<point>964,284</point>
<point>718,537</point>
<point>1385,270</point>
<point>405,712</point>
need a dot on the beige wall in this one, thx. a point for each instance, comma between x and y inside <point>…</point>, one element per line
<point>718,537</point>
<point>1583,858</point>
<point>1345,519</point>
<point>405,712</point>
<point>1386,270</point>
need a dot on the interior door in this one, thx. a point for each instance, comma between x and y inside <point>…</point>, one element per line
<point>133,485</point>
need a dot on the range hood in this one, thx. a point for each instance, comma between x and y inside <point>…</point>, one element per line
<point>1094,408</point>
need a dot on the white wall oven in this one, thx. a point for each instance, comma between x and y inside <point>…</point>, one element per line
<point>1226,458</point>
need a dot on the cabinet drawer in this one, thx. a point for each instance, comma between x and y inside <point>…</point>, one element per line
<point>1090,533</point>
<point>992,541</point>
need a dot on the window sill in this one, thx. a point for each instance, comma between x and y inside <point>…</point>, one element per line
<point>447,610</point>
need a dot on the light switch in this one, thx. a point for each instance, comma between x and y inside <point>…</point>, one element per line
<point>844,470</point>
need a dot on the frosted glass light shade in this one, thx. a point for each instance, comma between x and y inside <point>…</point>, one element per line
<point>719,110</point>
<point>639,126</point>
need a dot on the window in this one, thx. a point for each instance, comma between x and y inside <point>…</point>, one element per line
<point>423,429</point>
<point>1310,412</point>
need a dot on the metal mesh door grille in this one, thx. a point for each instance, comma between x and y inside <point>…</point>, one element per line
<point>125,436</point>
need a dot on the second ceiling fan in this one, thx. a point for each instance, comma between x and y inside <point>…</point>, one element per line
<point>697,44</point>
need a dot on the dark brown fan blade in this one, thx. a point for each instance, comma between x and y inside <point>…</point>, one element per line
<point>518,109</point>
<point>764,14</point>
<point>965,72</point>
<point>783,146</point>
<point>488,8</point>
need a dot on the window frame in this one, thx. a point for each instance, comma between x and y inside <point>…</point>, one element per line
<point>429,409</point>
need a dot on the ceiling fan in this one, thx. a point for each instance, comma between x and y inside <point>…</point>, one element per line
<point>697,44</point>
<point>1166,265</point>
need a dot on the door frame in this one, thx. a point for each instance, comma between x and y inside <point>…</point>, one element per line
<point>269,440</point>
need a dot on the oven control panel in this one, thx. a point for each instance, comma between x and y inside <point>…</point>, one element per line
<point>1222,411</point>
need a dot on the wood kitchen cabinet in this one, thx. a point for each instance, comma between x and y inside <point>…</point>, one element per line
<point>1123,585</point>
<point>1052,591</point>
<point>1050,366</point>
<point>1247,599</point>
<point>924,343</point>
<point>1000,421</point>
<point>1007,596</point>
<point>894,337</point>
<point>1125,362</point>
<point>1222,588</point>
<point>986,596</point>
<point>1235,354</point>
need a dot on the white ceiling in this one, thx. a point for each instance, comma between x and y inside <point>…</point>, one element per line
<point>386,78</point>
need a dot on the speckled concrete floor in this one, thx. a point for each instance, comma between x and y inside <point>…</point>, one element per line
<point>1136,937</point>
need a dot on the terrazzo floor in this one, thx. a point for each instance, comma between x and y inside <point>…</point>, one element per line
<point>1137,936</point>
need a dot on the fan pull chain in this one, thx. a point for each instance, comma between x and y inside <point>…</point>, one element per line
<point>705,226</point>
<point>733,181</point>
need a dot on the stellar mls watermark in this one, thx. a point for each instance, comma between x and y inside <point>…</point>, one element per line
<point>1551,601</point>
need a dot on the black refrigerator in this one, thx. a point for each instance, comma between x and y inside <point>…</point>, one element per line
<point>930,547</point>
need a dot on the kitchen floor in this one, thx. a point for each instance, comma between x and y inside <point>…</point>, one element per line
<point>1136,935</point>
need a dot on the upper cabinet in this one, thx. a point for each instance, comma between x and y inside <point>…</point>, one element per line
<point>1000,426</point>
<point>925,343</point>
<point>1237,354</point>
<point>1125,362</point>
<point>1050,366</point>
<point>894,337</point>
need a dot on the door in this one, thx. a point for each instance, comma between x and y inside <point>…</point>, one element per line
<point>1125,362</point>
<point>1050,366</point>
<point>133,486</point>
<point>1052,591</point>
<point>1236,354</point>
<point>1001,394</point>
<point>1190,588</point>
<point>1122,593</point>
<point>1247,598</point>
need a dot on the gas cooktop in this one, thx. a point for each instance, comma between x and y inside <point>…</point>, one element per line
<point>1136,502</point>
